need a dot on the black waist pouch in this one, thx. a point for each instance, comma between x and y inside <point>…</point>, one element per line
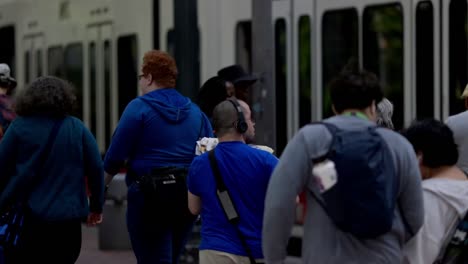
<point>165,192</point>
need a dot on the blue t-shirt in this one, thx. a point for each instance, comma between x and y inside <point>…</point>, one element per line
<point>246,172</point>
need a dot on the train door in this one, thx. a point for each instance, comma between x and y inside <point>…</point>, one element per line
<point>283,48</point>
<point>426,59</point>
<point>34,57</point>
<point>373,33</point>
<point>100,111</point>
<point>292,22</point>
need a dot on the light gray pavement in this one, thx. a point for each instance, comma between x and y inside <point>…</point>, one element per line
<point>90,254</point>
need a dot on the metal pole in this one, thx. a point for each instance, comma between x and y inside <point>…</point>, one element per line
<point>264,65</point>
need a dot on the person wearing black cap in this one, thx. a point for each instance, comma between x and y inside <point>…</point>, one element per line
<point>242,80</point>
<point>7,85</point>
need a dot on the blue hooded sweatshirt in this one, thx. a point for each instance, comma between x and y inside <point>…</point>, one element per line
<point>157,129</point>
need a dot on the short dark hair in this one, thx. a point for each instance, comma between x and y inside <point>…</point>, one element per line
<point>434,140</point>
<point>355,89</point>
<point>46,95</point>
<point>224,118</point>
<point>211,94</point>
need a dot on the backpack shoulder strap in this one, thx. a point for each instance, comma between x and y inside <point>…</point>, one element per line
<point>221,187</point>
<point>333,130</point>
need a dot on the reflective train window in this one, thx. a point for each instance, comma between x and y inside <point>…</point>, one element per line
<point>339,47</point>
<point>27,67</point>
<point>40,70</point>
<point>7,48</point>
<point>458,64</point>
<point>244,44</point>
<point>383,53</point>
<point>74,73</point>
<point>424,60</point>
<point>305,88</point>
<point>107,92</point>
<point>92,87</point>
<point>55,60</point>
<point>127,52</point>
<point>281,85</point>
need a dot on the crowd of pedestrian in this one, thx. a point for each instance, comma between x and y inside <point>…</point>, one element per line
<point>373,195</point>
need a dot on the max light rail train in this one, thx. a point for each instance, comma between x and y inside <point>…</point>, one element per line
<point>418,49</point>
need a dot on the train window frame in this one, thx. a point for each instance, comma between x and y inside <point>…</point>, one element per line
<point>127,70</point>
<point>243,46</point>
<point>55,60</point>
<point>395,92</point>
<point>424,43</point>
<point>333,62</point>
<point>76,70</point>
<point>457,48</point>
<point>281,69</point>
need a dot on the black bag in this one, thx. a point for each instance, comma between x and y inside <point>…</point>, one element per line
<point>455,250</point>
<point>165,190</point>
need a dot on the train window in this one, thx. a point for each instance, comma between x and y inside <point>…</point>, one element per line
<point>187,46</point>
<point>339,46</point>
<point>458,64</point>
<point>74,73</point>
<point>156,24</point>
<point>127,52</point>
<point>171,42</point>
<point>7,47</point>
<point>27,67</point>
<point>305,88</point>
<point>383,52</point>
<point>92,87</point>
<point>40,70</point>
<point>281,84</point>
<point>424,60</point>
<point>55,60</point>
<point>244,44</point>
<point>107,92</point>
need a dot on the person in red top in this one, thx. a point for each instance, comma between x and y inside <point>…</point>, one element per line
<point>7,86</point>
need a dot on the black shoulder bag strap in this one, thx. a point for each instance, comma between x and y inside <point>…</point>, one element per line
<point>227,204</point>
<point>42,158</point>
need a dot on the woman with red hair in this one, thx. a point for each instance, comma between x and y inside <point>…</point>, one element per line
<point>157,135</point>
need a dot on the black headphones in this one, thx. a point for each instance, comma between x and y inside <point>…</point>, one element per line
<point>240,124</point>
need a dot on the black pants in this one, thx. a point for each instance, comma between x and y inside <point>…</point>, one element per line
<point>48,242</point>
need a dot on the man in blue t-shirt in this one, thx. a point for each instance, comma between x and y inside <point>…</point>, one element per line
<point>245,172</point>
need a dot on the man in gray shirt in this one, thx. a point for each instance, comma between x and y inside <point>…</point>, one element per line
<point>459,125</point>
<point>354,97</point>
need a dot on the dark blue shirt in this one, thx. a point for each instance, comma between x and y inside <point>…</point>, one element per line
<point>157,129</point>
<point>246,172</point>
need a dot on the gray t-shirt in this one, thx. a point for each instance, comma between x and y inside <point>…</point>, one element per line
<point>459,125</point>
<point>322,241</point>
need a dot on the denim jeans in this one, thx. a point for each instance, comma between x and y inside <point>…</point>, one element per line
<point>152,241</point>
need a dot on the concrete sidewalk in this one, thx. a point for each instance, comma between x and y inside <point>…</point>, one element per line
<point>90,253</point>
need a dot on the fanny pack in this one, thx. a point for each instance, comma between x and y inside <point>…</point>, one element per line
<point>165,190</point>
